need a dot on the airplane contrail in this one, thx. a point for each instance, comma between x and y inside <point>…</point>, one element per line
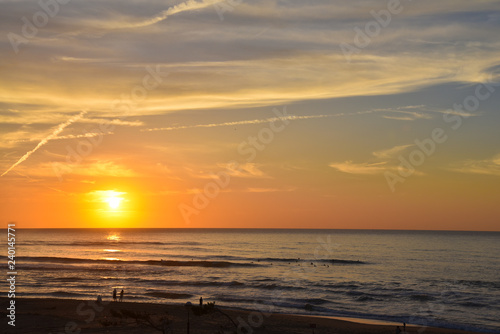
<point>253,121</point>
<point>44,141</point>
<point>83,135</point>
<point>182,7</point>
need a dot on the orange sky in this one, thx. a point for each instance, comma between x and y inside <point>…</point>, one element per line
<point>178,115</point>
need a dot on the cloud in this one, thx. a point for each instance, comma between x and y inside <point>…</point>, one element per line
<point>194,191</point>
<point>269,190</point>
<point>209,69</point>
<point>83,60</point>
<point>264,53</point>
<point>404,113</point>
<point>387,161</point>
<point>100,168</point>
<point>247,170</point>
<point>44,141</point>
<point>485,167</point>
<point>104,195</point>
<point>360,168</point>
<point>415,112</point>
<point>391,152</point>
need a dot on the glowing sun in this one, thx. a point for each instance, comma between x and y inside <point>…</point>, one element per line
<point>113,199</point>
<point>114,202</point>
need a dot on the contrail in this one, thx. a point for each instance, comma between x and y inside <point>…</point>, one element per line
<point>253,121</point>
<point>182,7</point>
<point>44,141</point>
<point>83,135</point>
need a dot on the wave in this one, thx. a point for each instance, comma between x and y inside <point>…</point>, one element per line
<point>164,263</point>
<point>195,284</point>
<point>314,301</point>
<point>479,284</point>
<point>112,242</point>
<point>209,283</point>
<point>422,297</point>
<point>67,279</point>
<point>342,285</point>
<point>267,279</point>
<point>354,293</point>
<point>297,303</point>
<point>365,299</point>
<point>219,284</point>
<point>224,298</point>
<point>473,304</point>
<point>177,263</point>
<point>270,260</point>
<point>169,295</point>
<point>307,261</point>
<point>66,294</point>
<point>453,285</point>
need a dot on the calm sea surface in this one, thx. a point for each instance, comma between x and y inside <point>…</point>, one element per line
<point>447,279</point>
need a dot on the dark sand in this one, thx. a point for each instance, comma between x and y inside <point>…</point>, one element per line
<point>76,316</point>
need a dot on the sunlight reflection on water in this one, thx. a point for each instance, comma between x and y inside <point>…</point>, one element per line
<point>113,237</point>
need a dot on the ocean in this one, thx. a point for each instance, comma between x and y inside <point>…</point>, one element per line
<point>433,278</point>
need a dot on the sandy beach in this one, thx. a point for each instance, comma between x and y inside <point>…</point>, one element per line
<point>58,316</point>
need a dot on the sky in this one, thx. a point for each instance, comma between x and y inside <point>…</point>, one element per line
<point>363,114</point>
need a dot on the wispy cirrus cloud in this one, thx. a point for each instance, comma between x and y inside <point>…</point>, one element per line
<point>96,168</point>
<point>485,167</point>
<point>270,190</point>
<point>405,113</point>
<point>246,170</point>
<point>416,112</point>
<point>391,152</point>
<point>386,160</point>
<point>363,168</point>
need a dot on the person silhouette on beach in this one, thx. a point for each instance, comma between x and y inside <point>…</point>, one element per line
<point>201,301</point>
<point>121,295</point>
<point>114,295</point>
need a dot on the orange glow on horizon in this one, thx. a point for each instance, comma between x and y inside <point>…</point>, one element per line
<point>109,208</point>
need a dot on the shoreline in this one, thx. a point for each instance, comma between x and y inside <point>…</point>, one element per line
<point>70,315</point>
<point>358,320</point>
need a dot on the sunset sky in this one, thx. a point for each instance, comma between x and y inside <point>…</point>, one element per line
<point>253,114</point>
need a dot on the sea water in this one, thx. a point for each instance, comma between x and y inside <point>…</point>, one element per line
<point>445,279</point>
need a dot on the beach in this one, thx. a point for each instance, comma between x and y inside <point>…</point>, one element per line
<point>342,274</point>
<point>47,315</point>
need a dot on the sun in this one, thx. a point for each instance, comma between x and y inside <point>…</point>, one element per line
<point>110,207</point>
<point>114,202</point>
<point>114,199</point>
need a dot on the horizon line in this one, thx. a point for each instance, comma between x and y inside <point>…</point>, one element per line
<point>243,228</point>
